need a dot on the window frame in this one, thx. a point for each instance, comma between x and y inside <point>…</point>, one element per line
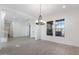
<point>48,22</point>
<point>60,35</point>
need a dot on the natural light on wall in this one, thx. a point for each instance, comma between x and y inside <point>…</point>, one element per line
<point>2,32</point>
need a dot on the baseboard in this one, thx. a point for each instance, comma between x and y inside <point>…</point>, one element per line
<point>24,37</point>
<point>67,43</point>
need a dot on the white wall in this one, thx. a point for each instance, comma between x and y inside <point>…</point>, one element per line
<point>71,28</point>
<point>19,22</point>
<point>33,28</point>
<point>71,17</point>
<point>19,29</point>
<point>2,17</point>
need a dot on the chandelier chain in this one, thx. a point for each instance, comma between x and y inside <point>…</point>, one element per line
<point>40,9</point>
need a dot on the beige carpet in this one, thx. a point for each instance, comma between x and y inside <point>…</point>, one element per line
<point>26,46</point>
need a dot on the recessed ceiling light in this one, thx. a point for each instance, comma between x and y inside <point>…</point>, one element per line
<point>64,6</point>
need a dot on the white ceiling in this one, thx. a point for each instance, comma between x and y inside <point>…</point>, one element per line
<point>47,9</point>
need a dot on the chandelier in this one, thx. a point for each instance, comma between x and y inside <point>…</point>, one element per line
<point>40,21</point>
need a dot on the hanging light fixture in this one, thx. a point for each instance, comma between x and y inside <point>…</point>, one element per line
<point>40,21</point>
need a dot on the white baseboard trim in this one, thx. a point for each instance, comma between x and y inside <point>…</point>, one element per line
<point>66,43</point>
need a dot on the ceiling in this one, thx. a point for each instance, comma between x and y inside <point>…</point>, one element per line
<point>47,9</point>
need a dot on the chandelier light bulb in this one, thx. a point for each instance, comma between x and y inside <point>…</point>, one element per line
<point>40,21</point>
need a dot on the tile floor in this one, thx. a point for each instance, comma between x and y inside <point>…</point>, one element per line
<point>27,46</point>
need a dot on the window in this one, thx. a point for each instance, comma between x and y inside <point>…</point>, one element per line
<point>59,28</point>
<point>49,28</point>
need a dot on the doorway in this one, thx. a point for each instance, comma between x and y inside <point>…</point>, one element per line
<point>28,30</point>
<point>8,29</point>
